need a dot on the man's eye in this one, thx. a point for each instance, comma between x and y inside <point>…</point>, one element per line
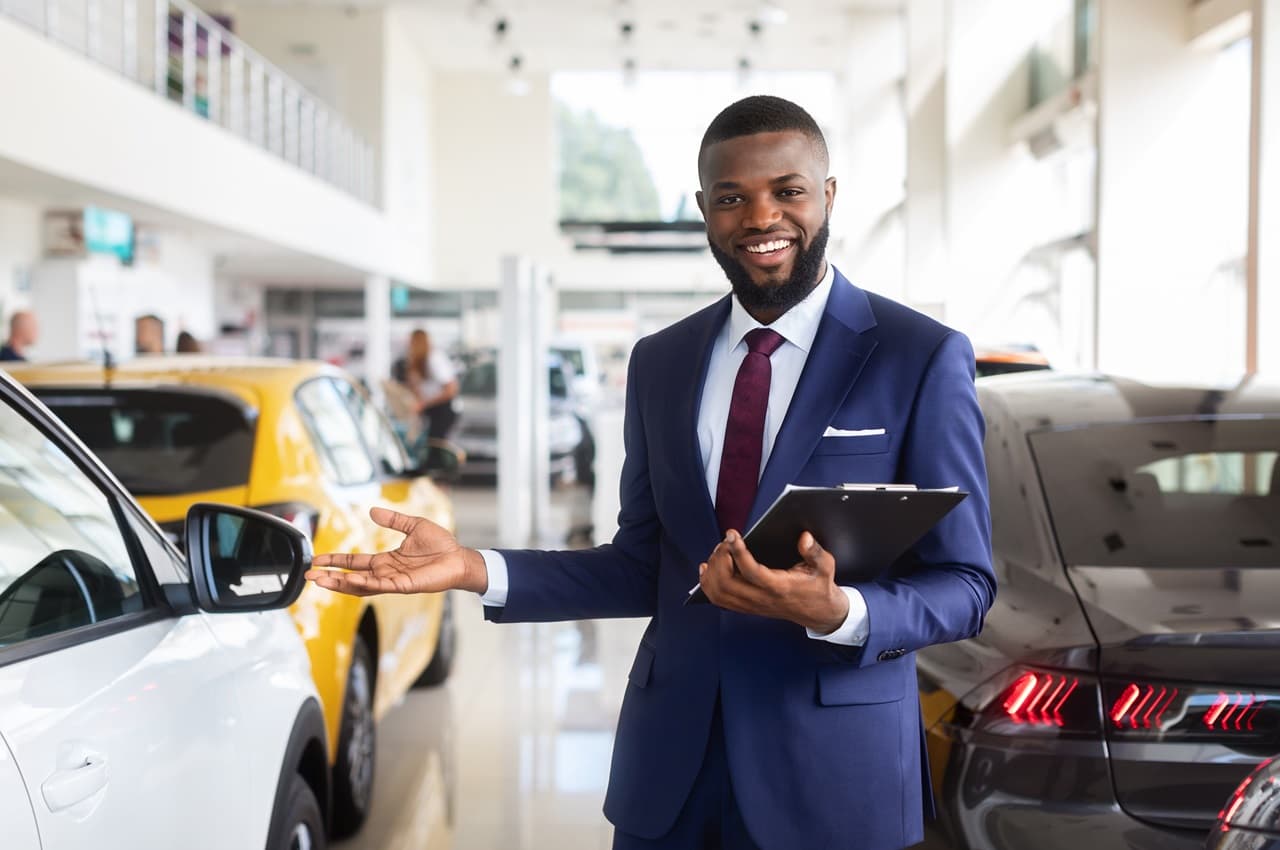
<point>728,199</point>
<point>790,193</point>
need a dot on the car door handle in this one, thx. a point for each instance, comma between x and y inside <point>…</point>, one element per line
<point>65,788</point>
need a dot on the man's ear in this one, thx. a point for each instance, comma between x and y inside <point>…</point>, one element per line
<point>698,197</point>
<point>829,189</point>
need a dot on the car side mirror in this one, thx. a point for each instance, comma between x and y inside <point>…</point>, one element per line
<point>244,560</point>
<point>442,460</point>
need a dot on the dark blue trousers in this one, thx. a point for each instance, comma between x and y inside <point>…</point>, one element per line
<point>710,819</point>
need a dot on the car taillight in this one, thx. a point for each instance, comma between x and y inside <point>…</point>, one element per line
<point>1164,711</point>
<point>1032,701</point>
<point>301,516</point>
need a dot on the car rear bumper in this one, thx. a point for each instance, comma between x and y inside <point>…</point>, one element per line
<point>1050,795</point>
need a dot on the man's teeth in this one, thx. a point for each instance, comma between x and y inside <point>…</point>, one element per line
<point>769,247</point>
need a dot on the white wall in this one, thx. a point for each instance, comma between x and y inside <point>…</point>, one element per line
<point>494,175</point>
<point>1001,201</point>
<point>1174,181</point>
<point>19,249</point>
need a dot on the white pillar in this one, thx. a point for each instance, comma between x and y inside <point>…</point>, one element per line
<point>538,320</point>
<point>377,334</point>
<point>1262,350</point>
<point>926,199</point>
<point>515,403</point>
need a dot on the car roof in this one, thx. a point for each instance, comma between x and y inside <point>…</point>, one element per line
<point>257,375</point>
<point>1046,400</point>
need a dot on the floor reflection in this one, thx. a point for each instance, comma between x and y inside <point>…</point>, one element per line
<point>513,752</point>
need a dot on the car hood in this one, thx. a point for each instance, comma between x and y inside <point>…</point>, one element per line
<point>1198,624</point>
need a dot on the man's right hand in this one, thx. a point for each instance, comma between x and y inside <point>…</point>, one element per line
<point>428,560</point>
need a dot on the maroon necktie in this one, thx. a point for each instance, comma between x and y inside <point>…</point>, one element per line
<point>744,433</point>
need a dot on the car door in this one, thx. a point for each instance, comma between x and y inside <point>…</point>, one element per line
<point>15,806</point>
<point>101,683</point>
<point>399,490</point>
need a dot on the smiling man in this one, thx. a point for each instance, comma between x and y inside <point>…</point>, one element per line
<point>785,715</point>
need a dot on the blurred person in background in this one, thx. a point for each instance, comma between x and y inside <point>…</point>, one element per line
<point>23,332</point>
<point>430,376</point>
<point>188,344</point>
<point>148,334</point>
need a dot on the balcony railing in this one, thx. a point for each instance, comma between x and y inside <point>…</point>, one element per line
<point>189,57</point>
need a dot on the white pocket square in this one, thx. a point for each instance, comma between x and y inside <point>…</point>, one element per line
<point>840,432</point>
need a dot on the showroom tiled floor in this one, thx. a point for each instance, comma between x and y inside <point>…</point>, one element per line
<point>514,752</point>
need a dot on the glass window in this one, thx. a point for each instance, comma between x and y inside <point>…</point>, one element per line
<point>342,453</point>
<point>378,436</point>
<point>1202,493</point>
<point>160,442</point>
<point>63,559</point>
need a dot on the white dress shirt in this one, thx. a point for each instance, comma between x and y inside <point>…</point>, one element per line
<point>798,327</point>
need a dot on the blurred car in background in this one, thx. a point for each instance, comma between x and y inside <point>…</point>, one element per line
<point>146,695</point>
<point>1128,675</point>
<point>571,444</point>
<point>301,441</point>
<point>1007,359</point>
<point>586,379</point>
<point>1250,820</point>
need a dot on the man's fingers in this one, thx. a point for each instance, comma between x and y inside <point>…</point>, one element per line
<point>746,563</point>
<point>352,584</point>
<point>812,553</point>
<point>394,520</point>
<point>344,560</point>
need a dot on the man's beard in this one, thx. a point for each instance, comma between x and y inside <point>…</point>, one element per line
<point>783,296</point>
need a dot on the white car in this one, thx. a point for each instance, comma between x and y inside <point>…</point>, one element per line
<point>146,702</point>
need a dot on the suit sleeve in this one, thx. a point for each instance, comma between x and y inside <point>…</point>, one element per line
<point>942,589</point>
<point>619,579</point>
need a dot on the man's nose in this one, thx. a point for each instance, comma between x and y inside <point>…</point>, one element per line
<point>760,214</point>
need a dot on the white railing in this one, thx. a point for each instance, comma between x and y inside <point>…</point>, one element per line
<point>187,56</point>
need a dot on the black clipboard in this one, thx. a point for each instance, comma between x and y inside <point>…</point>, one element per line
<point>866,527</point>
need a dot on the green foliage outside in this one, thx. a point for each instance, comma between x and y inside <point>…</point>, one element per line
<point>603,176</point>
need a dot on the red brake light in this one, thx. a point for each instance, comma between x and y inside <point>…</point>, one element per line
<point>1148,709</point>
<point>1041,702</point>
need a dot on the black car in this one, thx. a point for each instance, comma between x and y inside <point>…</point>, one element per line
<point>1128,676</point>
<point>1250,820</point>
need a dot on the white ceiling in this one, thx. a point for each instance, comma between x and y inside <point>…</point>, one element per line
<point>666,34</point>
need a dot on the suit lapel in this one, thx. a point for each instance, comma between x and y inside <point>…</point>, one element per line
<point>840,350</point>
<point>694,517</point>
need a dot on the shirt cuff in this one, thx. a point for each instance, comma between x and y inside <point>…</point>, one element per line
<point>496,566</point>
<point>853,632</point>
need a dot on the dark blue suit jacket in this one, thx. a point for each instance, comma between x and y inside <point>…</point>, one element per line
<point>825,742</point>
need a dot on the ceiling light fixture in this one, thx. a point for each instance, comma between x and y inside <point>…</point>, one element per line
<point>773,14</point>
<point>517,85</point>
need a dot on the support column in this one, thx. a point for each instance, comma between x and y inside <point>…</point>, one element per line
<point>377,334</point>
<point>926,200</point>
<point>1262,298</point>
<point>515,403</point>
<point>538,320</point>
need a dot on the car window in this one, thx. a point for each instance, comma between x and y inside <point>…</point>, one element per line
<point>1201,494</point>
<point>480,380</point>
<point>342,453</point>
<point>161,442</point>
<point>64,562</point>
<point>378,436</point>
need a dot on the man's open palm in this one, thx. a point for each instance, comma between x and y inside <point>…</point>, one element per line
<point>428,560</point>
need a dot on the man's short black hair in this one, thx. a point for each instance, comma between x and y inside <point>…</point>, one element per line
<point>761,113</point>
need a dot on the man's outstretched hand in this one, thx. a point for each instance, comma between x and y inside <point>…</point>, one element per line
<point>428,560</point>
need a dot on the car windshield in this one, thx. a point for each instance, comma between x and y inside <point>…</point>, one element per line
<point>161,442</point>
<point>482,380</point>
<point>1179,493</point>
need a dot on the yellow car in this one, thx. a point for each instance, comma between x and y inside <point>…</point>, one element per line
<point>302,441</point>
